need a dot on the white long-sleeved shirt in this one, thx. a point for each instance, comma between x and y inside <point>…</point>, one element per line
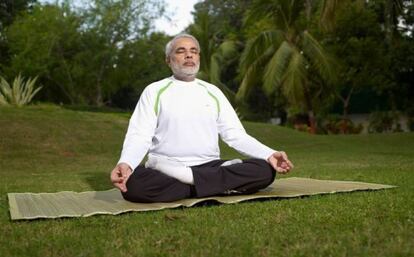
<point>183,121</point>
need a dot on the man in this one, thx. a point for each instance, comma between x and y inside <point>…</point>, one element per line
<point>178,121</point>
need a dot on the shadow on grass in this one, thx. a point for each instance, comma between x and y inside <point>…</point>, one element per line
<point>97,181</point>
<point>103,109</point>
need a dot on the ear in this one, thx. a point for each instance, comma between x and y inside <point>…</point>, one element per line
<point>168,60</point>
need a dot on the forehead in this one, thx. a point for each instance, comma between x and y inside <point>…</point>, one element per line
<point>184,42</point>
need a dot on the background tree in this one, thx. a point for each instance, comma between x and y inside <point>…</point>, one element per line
<point>140,63</point>
<point>217,25</point>
<point>108,26</point>
<point>216,54</point>
<point>103,52</point>
<point>286,56</point>
<point>8,11</point>
<point>44,43</point>
<point>76,51</point>
<point>371,67</point>
<point>357,42</point>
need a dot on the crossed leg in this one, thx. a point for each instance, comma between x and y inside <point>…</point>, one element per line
<point>148,185</point>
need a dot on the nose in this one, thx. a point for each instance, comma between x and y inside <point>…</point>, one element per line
<point>188,55</point>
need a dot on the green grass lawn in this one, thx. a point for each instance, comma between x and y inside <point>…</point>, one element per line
<point>49,148</point>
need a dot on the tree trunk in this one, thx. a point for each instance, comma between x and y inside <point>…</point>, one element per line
<point>346,106</point>
<point>312,121</point>
<point>346,103</point>
<point>309,108</point>
<point>98,99</point>
<point>388,21</point>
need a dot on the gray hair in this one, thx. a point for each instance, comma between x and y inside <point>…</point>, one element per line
<point>170,44</point>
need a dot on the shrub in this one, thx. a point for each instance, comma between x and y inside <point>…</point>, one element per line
<point>338,125</point>
<point>380,122</point>
<point>410,117</point>
<point>21,93</point>
<point>410,123</point>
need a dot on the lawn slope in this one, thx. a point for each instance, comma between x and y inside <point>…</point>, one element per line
<point>49,148</point>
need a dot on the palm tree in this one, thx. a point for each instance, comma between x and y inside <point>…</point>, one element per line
<point>392,9</point>
<point>216,53</point>
<point>287,56</point>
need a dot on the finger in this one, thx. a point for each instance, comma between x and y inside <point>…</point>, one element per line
<point>273,162</point>
<point>115,172</point>
<point>123,188</point>
<point>121,185</point>
<point>284,156</point>
<point>286,159</point>
<point>289,163</point>
<point>115,177</point>
<point>277,155</point>
<point>116,180</point>
<point>279,168</point>
<point>125,172</point>
<point>122,172</point>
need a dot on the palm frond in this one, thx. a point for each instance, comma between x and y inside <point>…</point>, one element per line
<point>319,58</point>
<point>258,45</point>
<point>216,64</point>
<point>328,9</point>
<point>253,74</point>
<point>202,31</point>
<point>219,60</point>
<point>215,70</point>
<point>259,8</point>
<point>276,67</point>
<point>294,78</point>
<point>202,75</point>
<point>227,49</point>
<point>282,12</point>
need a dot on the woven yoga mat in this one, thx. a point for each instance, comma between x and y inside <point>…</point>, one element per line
<point>84,204</point>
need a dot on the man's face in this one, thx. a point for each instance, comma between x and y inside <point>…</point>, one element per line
<point>184,59</point>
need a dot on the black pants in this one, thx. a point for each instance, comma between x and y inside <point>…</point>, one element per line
<point>148,185</point>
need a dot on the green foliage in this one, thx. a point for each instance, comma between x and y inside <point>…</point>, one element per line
<point>10,9</point>
<point>76,52</point>
<point>383,122</point>
<point>374,54</point>
<point>357,41</point>
<point>287,58</point>
<point>140,63</point>
<point>275,54</point>
<point>20,93</point>
<point>216,55</point>
<point>109,26</point>
<point>46,43</point>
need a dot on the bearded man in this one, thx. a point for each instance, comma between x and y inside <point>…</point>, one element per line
<point>178,122</point>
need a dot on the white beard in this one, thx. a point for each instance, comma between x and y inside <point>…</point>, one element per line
<point>184,71</point>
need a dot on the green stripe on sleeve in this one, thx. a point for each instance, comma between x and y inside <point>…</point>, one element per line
<point>157,101</point>
<point>213,96</point>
